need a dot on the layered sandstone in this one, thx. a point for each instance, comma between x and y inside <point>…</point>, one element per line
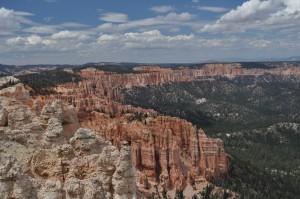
<point>88,96</point>
<point>166,151</point>
<point>107,82</point>
<point>45,154</point>
<point>169,152</point>
<point>107,87</point>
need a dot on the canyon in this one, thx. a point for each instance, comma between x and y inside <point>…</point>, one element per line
<point>167,152</point>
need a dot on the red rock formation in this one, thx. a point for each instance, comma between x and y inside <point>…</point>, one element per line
<point>87,97</point>
<point>44,153</point>
<point>165,150</point>
<point>105,83</point>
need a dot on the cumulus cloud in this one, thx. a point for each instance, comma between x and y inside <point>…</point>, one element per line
<point>15,41</point>
<point>114,17</point>
<point>212,9</point>
<point>34,39</point>
<point>162,9</point>
<point>159,38</point>
<point>57,42</point>
<point>258,14</point>
<point>11,21</point>
<point>66,34</point>
<point>27,41</point>
<point>64,40</point>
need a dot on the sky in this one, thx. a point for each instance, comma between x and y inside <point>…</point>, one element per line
<point>147,31</point>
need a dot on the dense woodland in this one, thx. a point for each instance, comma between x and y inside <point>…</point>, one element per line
<point>110,67</point>
<point>260,128</point>
<point>43,83</point>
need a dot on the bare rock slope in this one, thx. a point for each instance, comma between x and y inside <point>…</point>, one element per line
<point>45,154</point>
<point>167,151</point>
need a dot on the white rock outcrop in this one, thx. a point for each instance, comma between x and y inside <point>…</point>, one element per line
<point>45,154</point>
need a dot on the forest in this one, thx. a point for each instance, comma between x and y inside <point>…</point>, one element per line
<point>43,83</point>
<point>259,127</point>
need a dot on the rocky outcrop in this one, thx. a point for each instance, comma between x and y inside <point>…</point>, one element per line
<point>6,80</point>
<point>17,92</point>
<point>167,151</point>
<point>85,97</point>
<point>3,116</point>
<point>45,154</point>
<point>13,182</point>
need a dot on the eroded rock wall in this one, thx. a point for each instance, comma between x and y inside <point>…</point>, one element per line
<point>45,154</point>
<point>167,151</point>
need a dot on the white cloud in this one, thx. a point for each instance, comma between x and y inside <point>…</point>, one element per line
<point>72,25</point>
<point>185,16</point>
<point>147,39</point>
<point>156,39</point>
<point>57,42</point>
<point>162,9</point>
<point>106,37</point>
<point>260,15</point>
<point>195,1</point>
<point>143,46</point>
<point>260,43</point>
<point>11,21</point>
<point>24,14</point>
<point>15,41</point>
<point>170,19</point>
<point>66,34</point>
<point>49,29</point>
<point>114,17</point>
<point>43,29</point>
<point>212,9</point>
<point>27,41</point>
<point>34,39</point>
<point>252,10</point>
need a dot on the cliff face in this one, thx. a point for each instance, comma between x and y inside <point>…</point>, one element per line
<point>45,154</point>
<point>86,97</point>
<point>102,91</point>
<point>154,75</point>
<point>165,150</point>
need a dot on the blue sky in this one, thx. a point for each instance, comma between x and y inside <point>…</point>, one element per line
<point>78,31</point>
